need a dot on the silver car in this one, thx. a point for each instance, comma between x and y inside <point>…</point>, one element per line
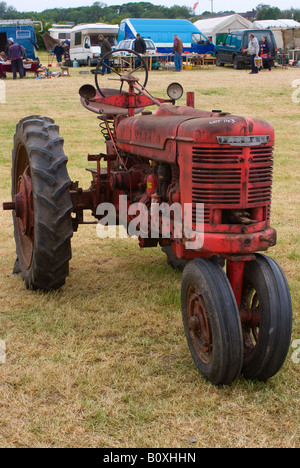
<point>129,44</point>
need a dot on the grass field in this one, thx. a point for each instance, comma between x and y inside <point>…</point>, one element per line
<point>103,362</point>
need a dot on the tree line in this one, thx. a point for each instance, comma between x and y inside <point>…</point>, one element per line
<point>100,12</point>
<point>267,12</point>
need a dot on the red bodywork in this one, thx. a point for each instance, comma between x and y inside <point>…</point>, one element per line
<point>218,159</point>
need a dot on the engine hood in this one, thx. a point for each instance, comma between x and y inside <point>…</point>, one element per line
<point>156,136</point>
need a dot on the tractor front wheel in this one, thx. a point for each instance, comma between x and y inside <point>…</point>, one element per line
<point>42,204</point>
<point>266,317</point>
<point>211,321</point>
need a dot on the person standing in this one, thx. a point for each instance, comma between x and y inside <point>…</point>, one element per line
<point>253,49</point>
<point>15,52</point>
<point>140,47</point>
<point>105,48</point>
<point>59,52</point>
<point>265,51</point>
<point>177,51</point>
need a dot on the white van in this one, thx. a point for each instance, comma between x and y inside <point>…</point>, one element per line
<point>84,41</point>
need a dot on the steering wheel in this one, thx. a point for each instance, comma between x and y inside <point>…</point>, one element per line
<point>119,62</point>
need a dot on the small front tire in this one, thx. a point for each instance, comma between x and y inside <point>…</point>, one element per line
<point>266,315</point>
<point>211,321</point>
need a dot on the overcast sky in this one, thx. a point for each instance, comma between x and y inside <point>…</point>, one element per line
<point>218,5</point>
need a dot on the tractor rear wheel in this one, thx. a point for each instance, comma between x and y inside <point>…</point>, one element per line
<point>211,321</point>
<point>266,316</point>
<point>42,204</point>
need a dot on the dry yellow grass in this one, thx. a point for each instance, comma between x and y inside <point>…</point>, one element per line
<point>103,362</point>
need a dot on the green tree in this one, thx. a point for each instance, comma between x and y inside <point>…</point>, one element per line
<point>292,13</point>
<point>266,12</point>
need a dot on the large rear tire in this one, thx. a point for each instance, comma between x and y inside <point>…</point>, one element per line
<point>211,321</point>
<point>42,215</point>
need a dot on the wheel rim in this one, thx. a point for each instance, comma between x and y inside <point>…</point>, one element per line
<point>23,200</point>
<point>199,325</point>
<point>250,318</point>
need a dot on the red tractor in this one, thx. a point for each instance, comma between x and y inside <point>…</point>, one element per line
<point>236,304</point>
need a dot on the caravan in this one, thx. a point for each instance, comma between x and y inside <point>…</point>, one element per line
<point>61,32</point>
<point>22,32</point>
<point>162,31</point>
<point>84,41</point>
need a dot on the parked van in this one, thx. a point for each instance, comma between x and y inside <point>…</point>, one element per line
<point>84,41</point>
<point>162,31</point>
<point>22,32</point>
<point>231,51</point>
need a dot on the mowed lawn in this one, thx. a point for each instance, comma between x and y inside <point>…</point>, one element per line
<point>103,362</point>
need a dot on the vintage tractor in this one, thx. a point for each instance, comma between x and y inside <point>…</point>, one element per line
<point>217,167</point>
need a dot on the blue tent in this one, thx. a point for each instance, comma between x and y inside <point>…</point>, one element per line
<point>162,31</point>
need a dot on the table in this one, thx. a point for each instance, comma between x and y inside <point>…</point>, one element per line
<point>283,58</point>
<point>188,61</point>
<point>5,67</point>
<point>163,59</point>
<point>166,61</point>
<point>208,59</point>
<point>198,60</point>
<point>123,62</point>
<point>292,52</point>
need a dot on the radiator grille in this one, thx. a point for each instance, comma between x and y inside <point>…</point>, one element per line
<point>216,155</point>
<point>231,177</point>
<point>260,175</point>
<point>262,155</point>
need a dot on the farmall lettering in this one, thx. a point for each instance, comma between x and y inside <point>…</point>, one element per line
<point>214,166</point>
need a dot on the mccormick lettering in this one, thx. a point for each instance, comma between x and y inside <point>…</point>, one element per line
<point>253,140</point>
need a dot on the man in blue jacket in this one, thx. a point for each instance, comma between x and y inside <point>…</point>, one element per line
<point>15,52</point>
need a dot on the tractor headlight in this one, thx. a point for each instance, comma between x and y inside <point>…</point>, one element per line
<point>175,91</point>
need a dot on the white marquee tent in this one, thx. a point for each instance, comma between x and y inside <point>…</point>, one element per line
<point>280,23</point>
<point>217,28</point>
<point>286,31</point>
